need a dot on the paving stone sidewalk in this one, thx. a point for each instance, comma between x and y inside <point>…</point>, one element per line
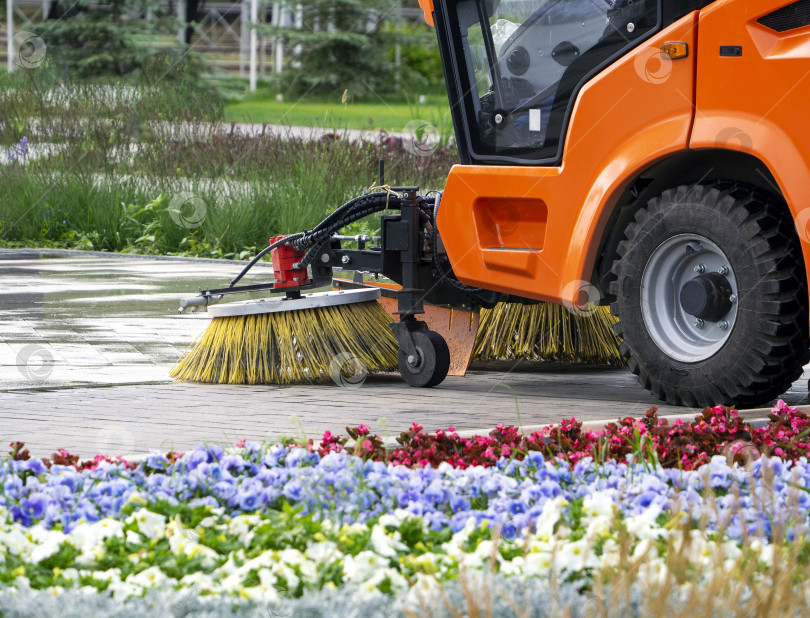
<point>86,343</point>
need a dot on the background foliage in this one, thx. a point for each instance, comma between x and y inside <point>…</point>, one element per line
<point>90,41</point>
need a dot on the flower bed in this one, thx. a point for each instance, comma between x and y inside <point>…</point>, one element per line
<point>260,525</point>
<point>715,431</point>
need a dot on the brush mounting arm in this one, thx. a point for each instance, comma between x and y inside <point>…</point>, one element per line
<point>206,298</point>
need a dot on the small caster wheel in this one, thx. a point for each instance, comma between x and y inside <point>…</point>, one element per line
<point>431,363</point>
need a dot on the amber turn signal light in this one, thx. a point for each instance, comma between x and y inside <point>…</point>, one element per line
<point>675,50</point>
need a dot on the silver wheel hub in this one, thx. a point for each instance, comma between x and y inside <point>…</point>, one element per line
<point>689,298</point>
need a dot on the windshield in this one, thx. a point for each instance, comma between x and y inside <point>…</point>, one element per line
<point>526,57</point>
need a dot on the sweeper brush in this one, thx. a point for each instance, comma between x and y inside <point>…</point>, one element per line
<point>513,331</point>
<point>315,338</point>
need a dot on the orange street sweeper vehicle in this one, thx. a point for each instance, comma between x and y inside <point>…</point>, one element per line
<point>652,154</point>
<point>649,154</point>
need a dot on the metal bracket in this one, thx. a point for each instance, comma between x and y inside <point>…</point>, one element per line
<point>206,298</point>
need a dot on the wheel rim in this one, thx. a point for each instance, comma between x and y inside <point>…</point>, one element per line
<point>674,263</point>
<point>419,361</point>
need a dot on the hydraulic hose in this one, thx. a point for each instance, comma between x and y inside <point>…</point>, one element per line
<point>349,212</point>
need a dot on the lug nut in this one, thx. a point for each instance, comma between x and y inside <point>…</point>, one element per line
<point>345,259</point>
<point>723,270</point>
<point>723,325</point>
<point>700,268</point>
<point>498,118</point>
<point>411,359</point>
<point>698,323</point>
<point>732,298</point>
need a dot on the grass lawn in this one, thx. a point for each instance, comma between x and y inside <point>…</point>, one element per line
<point>386,113</point>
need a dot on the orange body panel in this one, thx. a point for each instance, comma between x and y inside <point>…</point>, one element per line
<point>427,7</point>
<point>534,231</point>
<point>757,103</point>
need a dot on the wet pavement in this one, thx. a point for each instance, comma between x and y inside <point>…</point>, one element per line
<point>87,341</point>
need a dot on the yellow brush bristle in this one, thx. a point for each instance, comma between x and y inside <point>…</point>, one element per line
<point>545,331</point>
<point>288,347</point>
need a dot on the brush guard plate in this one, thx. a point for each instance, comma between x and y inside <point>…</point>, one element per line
<point>458,327</point>
<point>281,303</point>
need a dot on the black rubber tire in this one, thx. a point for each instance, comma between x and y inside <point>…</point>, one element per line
<point>769,342</point>
<point>434,360</point>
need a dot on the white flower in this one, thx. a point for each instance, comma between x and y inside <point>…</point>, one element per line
<point>549,517</point>
<point>386,544</point>
<point>645,550</point>
<point>389,520</point>
<point>16,542</point>
<point>645,526</point>
<point>48,548</point>
<point>610,554</point>
<point>537,563</point>
<point>764,550</point>
<point>653,573</point>
<point>203,581</point>
<point>482,556</point>
<point>575,556</point>
<point>598,504</point>
<point>399,585</point>
<point>324,552</point>
<point>182,546</point>
<point>281,569</point>
<point>123,590</point>
<point>306,567</point>
<point>599,526</point>
<point>241,527</point>
<point>208,522</point>
<point>233,583</point>
<point>71,574</point>
<point>513,566</point>
<point>110,575</point>
<point>151,525</point>
<point>89,538</point>
<point>454,547</point>
<point>148,578</point>
<point>361,567</point>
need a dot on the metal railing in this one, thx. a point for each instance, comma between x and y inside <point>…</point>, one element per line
<point>219,30</point>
